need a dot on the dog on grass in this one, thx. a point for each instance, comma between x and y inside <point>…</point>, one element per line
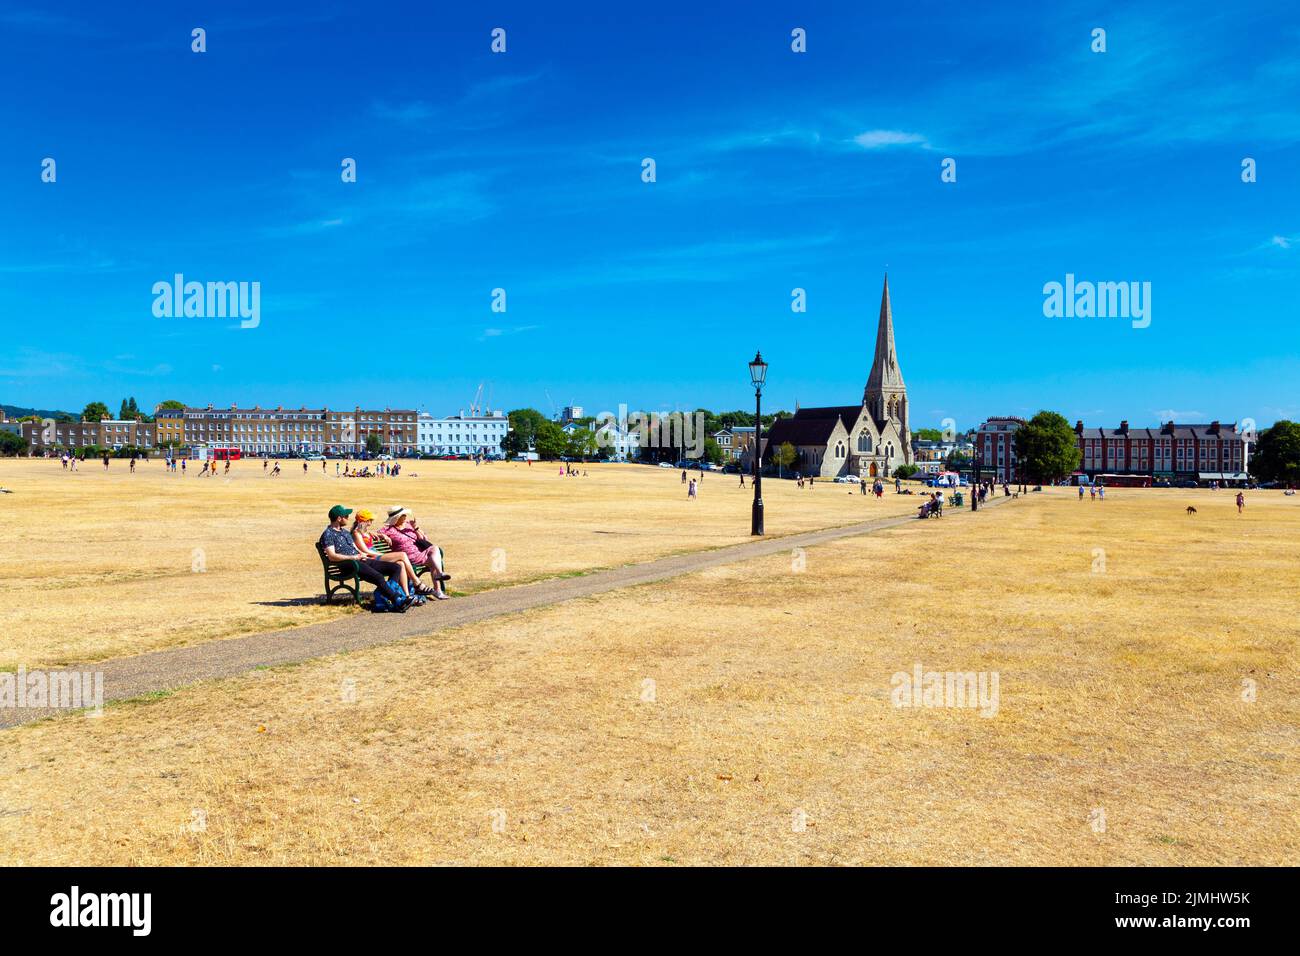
<point>1191,510</point>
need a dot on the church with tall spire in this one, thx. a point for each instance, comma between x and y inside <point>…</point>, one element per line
<point>869,440</point>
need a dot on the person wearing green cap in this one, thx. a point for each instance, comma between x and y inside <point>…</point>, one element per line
<point>337,546</point>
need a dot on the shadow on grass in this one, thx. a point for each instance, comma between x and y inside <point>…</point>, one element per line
<point>316,601</point>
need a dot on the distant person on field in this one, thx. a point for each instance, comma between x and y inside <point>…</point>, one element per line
<point>1241,502</point>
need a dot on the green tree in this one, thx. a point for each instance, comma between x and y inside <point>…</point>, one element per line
<point>94,412</point>
<point>1277,453</point>
<point>11,444</point>
<point>172,404</point>
<point>522,436</point>
<point>1046,447</point>
<point>581,444</point>
<point>550,440</point>
<point>785,457</point>
<point>928,434</point>
<point>374,444</point>
<point>906,471</point>
<point>712,452</point>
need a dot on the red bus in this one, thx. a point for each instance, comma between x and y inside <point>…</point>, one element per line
<point>226,454</point>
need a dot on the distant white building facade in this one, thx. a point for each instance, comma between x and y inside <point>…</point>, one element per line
<point>462,434</point>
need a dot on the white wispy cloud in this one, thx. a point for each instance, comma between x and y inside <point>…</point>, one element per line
<point>883,138</point>
<point>414,111</point>
<point>499,333</point>
<point>309,228</point>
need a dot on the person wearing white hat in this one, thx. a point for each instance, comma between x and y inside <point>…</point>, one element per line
<point>404,532</point>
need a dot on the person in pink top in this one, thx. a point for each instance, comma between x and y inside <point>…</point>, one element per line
<point>403,532</point>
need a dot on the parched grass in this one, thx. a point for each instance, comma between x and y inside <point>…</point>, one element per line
<point>1147,714</point>
<point>154,560</point>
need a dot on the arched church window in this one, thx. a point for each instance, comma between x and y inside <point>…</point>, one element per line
<point>864,440</point>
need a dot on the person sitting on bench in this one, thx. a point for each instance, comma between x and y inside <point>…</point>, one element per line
<point>365,541</point>
<point>336,544</point>
<point>403,532</point>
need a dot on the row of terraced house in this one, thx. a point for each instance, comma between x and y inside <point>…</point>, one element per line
<point>1199,452</point>
<point>280,430</point>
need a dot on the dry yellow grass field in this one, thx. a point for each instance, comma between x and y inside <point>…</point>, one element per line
<point>1147,714</point>
<point>118,553</point>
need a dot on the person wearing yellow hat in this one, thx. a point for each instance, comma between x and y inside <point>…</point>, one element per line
<point>338,547</point>
<point>365,541</point>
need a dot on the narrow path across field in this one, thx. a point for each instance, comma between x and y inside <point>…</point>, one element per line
<point>128,677</point>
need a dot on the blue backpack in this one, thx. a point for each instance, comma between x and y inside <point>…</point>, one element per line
<point>382,602</point>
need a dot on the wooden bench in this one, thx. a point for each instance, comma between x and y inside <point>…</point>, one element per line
<point>344,576</point>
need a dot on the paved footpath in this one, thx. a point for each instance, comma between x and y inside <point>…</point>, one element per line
<point>127,677</point>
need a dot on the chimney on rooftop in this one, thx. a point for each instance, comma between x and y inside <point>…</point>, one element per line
<point>1123,427</point>
<point>1214,427</point>
<point>1078,427</point>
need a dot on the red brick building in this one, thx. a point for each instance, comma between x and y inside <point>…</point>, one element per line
<point>1173,452</point>
<point>1213,452</point>
<point>995,448</point>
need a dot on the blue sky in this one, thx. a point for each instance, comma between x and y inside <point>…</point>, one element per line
<point>775,170</point>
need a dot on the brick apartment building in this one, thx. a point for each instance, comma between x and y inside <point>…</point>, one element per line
<point>283,430</point>
<point>1213,452</point>
<point>109,433</point>
<point>1174,452</point>
<point>995,447</point>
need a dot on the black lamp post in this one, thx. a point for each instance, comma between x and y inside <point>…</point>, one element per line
<point>758,375</point>
<point>975,483</point>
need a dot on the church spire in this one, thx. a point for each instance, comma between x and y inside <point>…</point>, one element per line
<point>885,373</point>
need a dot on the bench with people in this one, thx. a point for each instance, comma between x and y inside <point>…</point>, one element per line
<point>932,507</point>
<point>391,558</point>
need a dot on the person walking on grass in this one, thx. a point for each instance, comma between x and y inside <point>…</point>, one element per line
<point>1081,492</point>
<point>742,479</point>
<point>690,489</point>
<point>1241,502</point>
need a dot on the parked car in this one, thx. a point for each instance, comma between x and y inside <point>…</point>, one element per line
<point>383,458</point>
<point>1187,483</point>
<point>666,464</point>
<point>316,458</point>
<point>848,479</point>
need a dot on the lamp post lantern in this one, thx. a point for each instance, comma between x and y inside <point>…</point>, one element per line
<point>757,376</point>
